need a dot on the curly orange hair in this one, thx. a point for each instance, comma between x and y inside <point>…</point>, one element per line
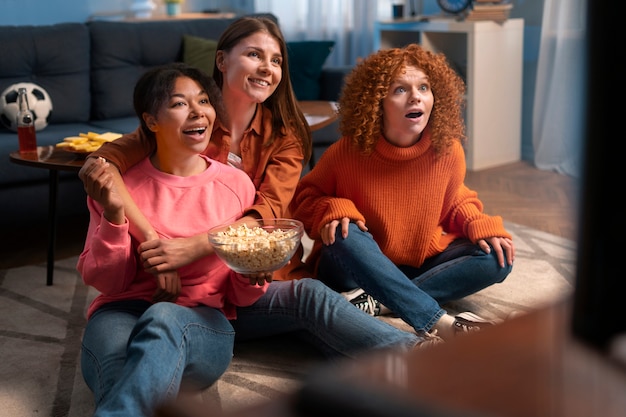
<point>360,102</point>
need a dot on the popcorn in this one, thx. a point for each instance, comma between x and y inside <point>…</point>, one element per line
<point>249,250</point>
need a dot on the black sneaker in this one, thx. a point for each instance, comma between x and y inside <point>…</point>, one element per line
<point>469,322</point>
<point>363,301</point>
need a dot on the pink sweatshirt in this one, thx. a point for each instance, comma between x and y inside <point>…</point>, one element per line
<point>176,207</point>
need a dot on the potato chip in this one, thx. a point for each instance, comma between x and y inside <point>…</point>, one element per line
<point>87,142</point>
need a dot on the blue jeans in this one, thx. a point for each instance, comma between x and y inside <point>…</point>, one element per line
<point>320,315</point>
<point>135,355</point>
<point>414,294</point>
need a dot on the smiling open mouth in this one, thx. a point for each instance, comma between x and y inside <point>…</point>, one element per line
<point>198,130</point>
<point>260,82</point>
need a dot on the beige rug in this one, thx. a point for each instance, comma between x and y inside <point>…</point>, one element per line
<point>41,328</point>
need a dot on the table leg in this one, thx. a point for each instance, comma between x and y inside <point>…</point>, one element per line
<point>53,186</point>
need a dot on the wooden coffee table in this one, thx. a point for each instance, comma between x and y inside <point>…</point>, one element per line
<point>318,113</point>
<point>54,160</point>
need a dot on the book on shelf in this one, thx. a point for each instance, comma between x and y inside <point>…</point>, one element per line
<point>495,7</point>
<point>489,11</point>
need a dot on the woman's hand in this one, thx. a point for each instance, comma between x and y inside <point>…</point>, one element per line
<point>259,278</point>
<point>99,185</point>
<point>168,287</point>
<point>246,219</point>
<point>329,229</point>
<point>504,247</point>
<point>161,255</point>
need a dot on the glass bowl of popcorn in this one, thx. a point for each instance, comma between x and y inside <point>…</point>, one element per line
<point>257,246</point>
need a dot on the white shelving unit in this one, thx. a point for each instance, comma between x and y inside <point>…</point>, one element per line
<point>488,55</point>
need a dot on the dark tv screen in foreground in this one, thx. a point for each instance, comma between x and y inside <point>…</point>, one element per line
<point>599,314</point>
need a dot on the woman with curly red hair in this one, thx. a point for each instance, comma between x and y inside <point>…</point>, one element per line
<point>394,225</point>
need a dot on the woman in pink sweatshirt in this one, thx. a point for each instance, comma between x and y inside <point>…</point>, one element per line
<point>137,351</point>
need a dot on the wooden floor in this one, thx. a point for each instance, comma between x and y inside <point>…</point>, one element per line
<point>522,194</point>
<point>518,192</point>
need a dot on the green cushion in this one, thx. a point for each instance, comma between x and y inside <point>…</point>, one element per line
<point>306,59</point>
<point>199,52</point>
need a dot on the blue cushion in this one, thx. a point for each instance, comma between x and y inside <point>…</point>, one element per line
<point>306,59</point>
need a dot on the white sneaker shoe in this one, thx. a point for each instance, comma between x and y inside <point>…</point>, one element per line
<point>467,322</point>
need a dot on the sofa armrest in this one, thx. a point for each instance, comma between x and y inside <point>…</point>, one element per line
<point>331,82</point>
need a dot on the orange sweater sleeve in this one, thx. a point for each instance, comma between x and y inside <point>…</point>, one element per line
<point>317,201</point>
<point>127,150</point>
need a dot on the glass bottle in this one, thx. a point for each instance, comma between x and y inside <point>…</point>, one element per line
<point>25,124</point>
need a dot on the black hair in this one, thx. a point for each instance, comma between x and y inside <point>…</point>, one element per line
<point>155,87</point>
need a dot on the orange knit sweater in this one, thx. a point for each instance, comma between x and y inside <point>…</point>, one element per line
<point>413,203</point>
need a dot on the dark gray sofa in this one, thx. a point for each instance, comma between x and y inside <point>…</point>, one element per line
<point>89,71</point>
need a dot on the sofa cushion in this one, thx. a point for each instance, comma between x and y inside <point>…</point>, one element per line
<point>306,59</point>
<point>122,51</point>
<point>332,81</point>
<point>55,57</point>
<point>199,52</point>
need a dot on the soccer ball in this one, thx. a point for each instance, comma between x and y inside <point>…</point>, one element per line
<point>38,101</point>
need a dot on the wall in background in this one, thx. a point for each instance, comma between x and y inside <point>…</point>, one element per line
<point>43,12</point>
<point>532,13</point>
<point>46,12</point>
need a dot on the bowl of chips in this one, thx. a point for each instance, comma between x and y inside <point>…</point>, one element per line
<point>257,246</point>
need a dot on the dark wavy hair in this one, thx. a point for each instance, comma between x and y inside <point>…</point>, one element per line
<point>286,114</point>
<point>360,103</point>
<point>155,87</point>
